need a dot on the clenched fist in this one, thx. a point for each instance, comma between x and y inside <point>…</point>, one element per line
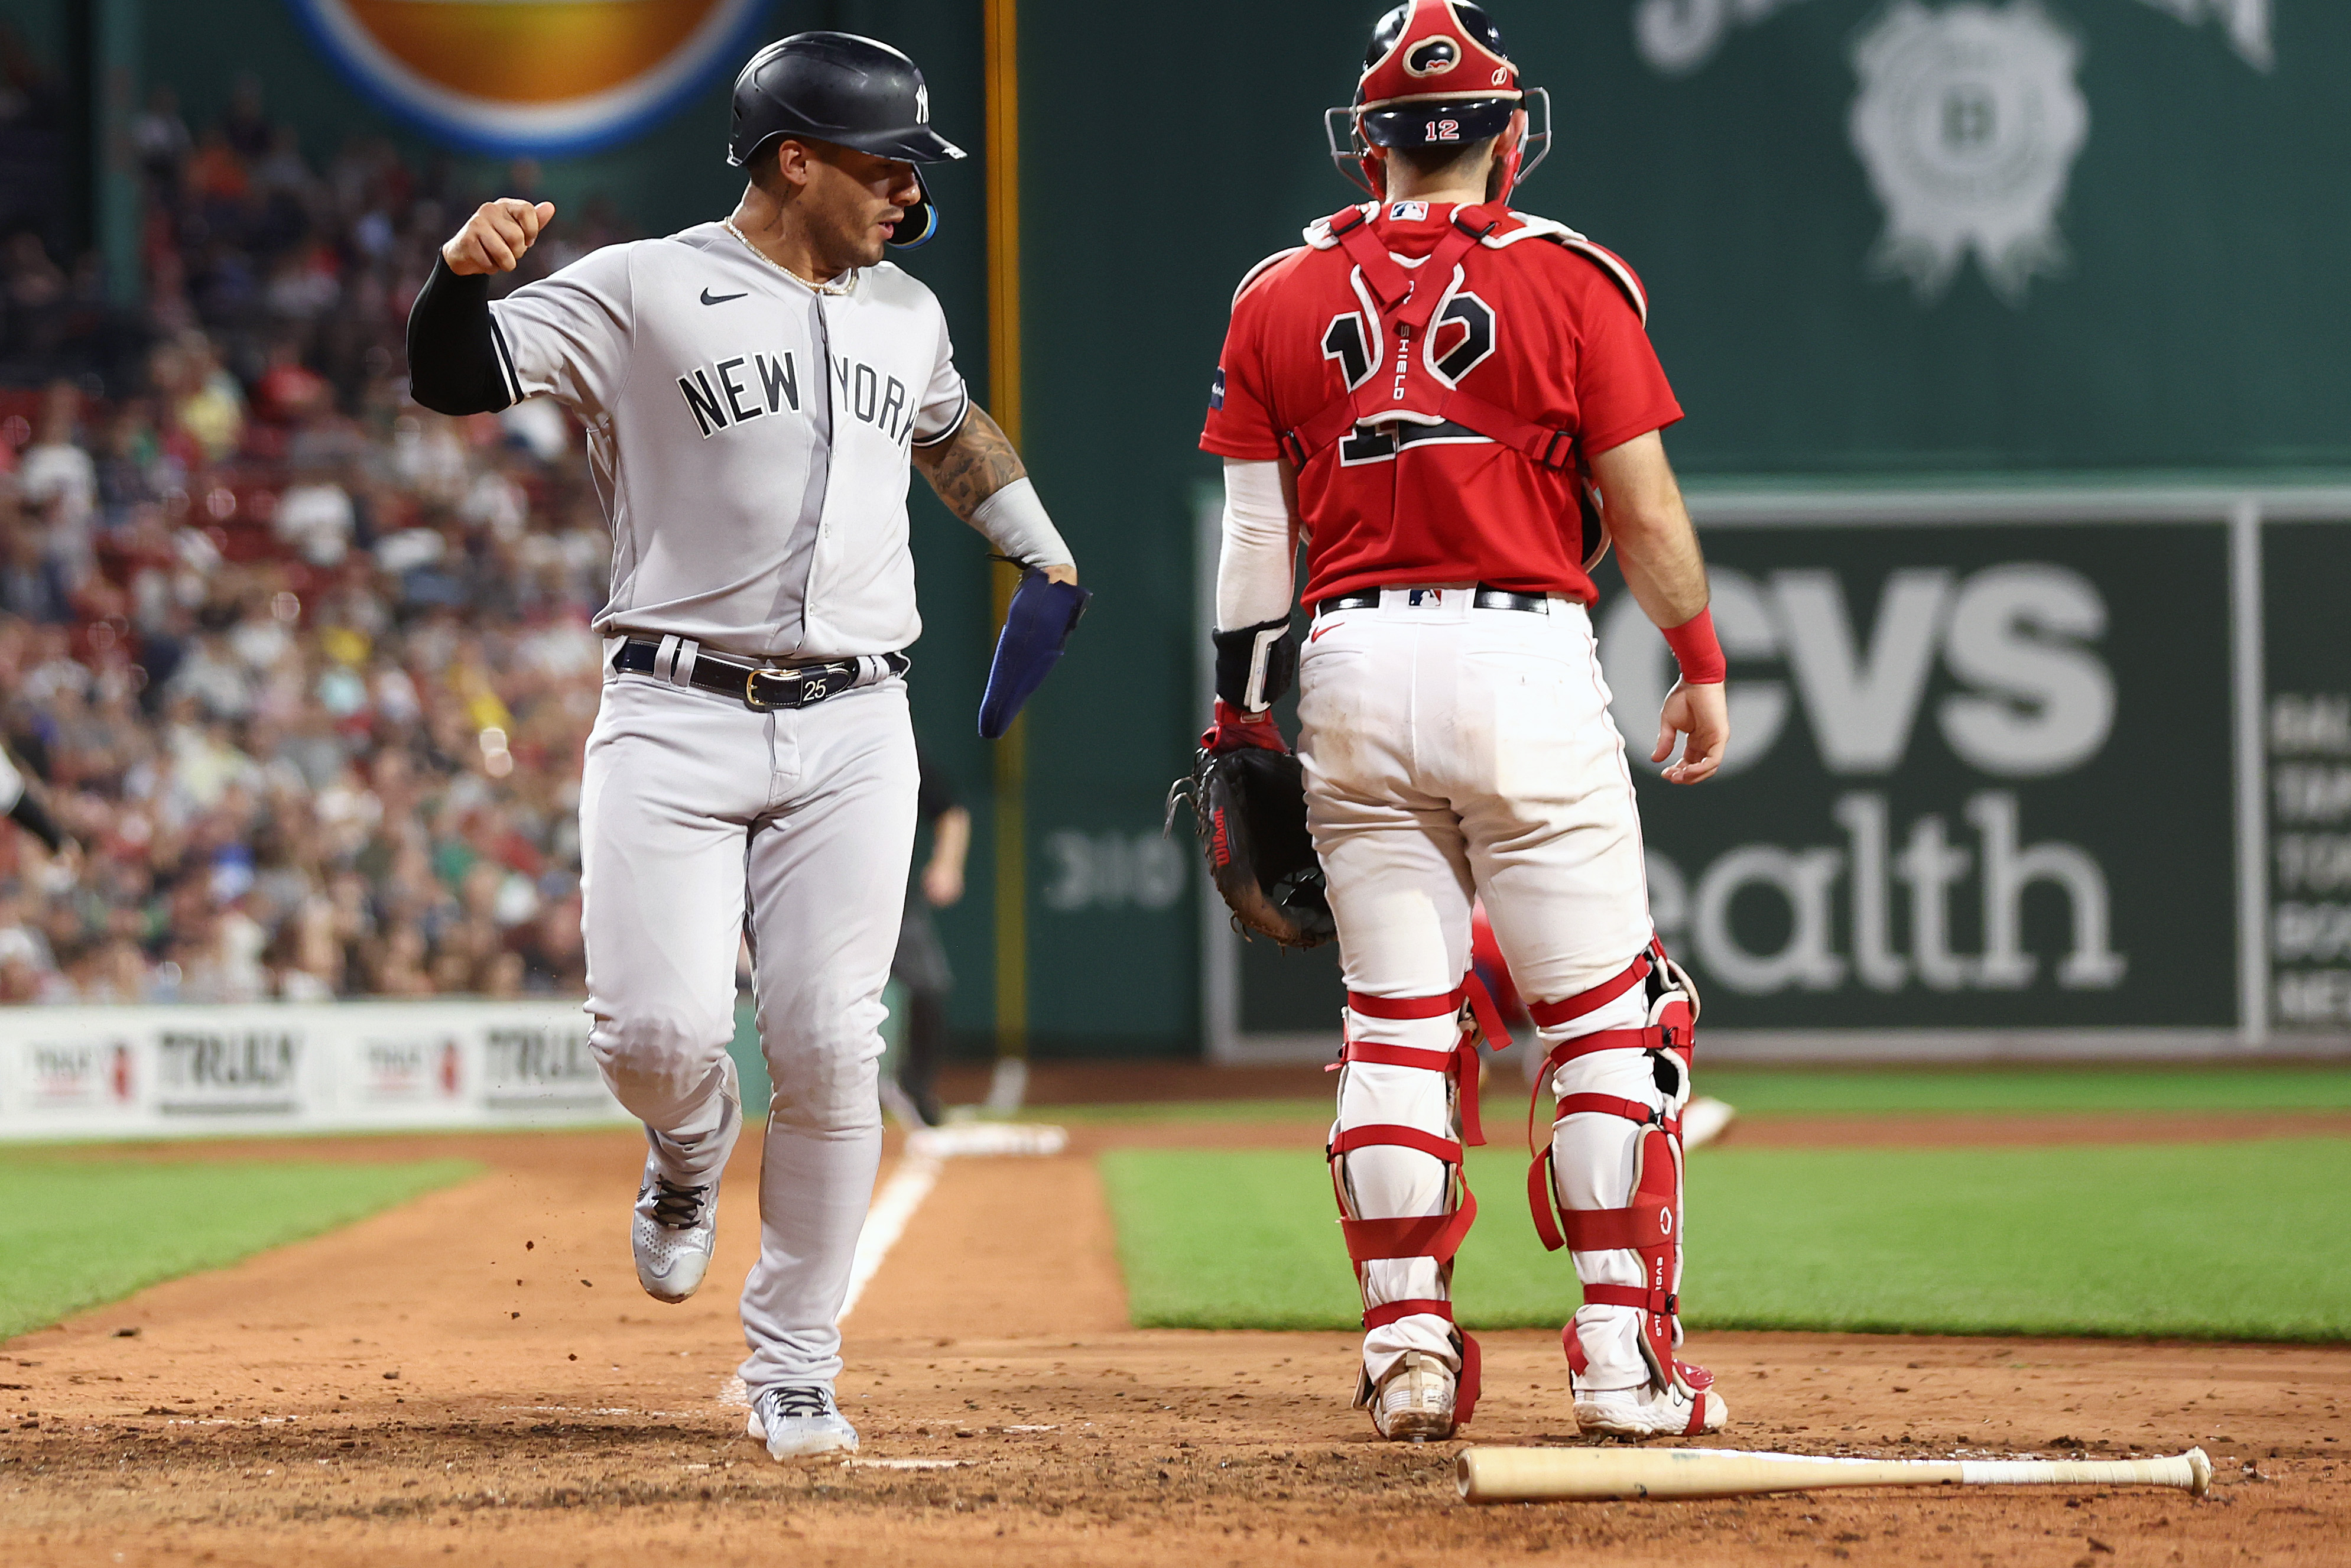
<point>495,237</point>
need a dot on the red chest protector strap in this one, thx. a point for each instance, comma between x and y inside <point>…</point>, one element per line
<point>1405,310</point>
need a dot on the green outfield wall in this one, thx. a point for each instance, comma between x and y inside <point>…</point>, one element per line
<point>1903,248</point>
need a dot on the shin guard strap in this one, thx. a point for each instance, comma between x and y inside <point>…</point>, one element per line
<point>1551,1014</point>
<point>1484,1013</point>
<point>1567,1050</point>
<point>1632,1296</point>
<point>1420,1055</point>
<point>1646,1222</point>
<point>1615,1105</point>
<point>1542,1201</point>
<point>1374,1134</point>
<point>1436,1235</point>
<point>1484,1022</point>
<point>1461,1061</point>
<point>1386,1312</point>
<point>1436,1007</point>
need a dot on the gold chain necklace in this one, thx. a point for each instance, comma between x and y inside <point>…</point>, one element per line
<point>728,225</point>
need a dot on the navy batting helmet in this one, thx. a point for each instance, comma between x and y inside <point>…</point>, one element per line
<point>848,90</point>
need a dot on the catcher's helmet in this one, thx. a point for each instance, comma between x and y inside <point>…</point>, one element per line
<point>848,90</point>
<point>1436,74</point>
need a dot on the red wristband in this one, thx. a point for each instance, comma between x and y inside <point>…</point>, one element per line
<point>1693,645</point>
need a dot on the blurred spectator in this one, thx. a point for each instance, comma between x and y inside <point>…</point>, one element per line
<point>306,670</point>
<point>58,481</point>
<point>161,140</point>
<point>315,519</point>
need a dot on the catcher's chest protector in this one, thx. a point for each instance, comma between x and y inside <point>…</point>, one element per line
<point>1430,330</point>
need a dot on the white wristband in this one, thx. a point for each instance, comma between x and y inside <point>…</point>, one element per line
<point>1015,522</point>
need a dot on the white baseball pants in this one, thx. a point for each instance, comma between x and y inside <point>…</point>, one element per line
<point>701,820</point>
<point>1452,751</point>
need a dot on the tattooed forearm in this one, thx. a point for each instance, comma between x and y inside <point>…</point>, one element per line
<point>977,463</point>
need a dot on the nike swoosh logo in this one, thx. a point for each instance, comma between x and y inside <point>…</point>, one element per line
<point>710,299</point>
<point>1316,635</point>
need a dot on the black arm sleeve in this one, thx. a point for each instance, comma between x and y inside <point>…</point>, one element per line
<point>453,349</point>
<point>33,818</point>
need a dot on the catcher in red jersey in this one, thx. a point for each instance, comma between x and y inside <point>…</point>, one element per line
<point>1446,399</point>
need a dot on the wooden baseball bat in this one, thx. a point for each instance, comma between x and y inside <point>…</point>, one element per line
<point>1559,1475</point>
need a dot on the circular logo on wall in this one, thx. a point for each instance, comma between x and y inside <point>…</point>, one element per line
<point>529,76</point>
<point>1969,122</point>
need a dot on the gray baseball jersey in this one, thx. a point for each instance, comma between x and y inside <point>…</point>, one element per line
<point>748,434</point>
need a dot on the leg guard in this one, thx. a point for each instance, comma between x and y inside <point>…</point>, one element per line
<point>1405,1099</point>
<point>1620,1053</point>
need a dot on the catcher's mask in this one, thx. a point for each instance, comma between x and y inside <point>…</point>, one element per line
<point>1436,74</point>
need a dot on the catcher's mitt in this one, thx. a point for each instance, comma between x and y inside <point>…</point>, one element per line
<point>1249,805</point>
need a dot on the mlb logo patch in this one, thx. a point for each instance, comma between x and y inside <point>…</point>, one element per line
<point>1217,388</point>
<point>1408,213</point>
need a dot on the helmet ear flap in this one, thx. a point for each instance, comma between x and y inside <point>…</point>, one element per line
<point>921,219</point>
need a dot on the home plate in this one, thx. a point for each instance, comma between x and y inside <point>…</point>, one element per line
<point>900,1464</point>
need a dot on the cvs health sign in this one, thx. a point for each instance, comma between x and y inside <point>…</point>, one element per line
<point>1980,778</point>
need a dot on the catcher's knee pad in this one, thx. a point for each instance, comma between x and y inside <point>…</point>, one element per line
<point>1407,1105</point>
<point>1608,1182</point>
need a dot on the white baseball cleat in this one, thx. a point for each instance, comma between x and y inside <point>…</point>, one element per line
<point>1690,1407</point>
<point>1414,1403</point>
<point>798,1420</point>
<point>673,1234</point>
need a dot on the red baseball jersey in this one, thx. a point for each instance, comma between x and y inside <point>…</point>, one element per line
<point>1537,326</point>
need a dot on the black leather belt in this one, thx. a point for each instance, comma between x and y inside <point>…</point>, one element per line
<point>1484,598</point>
<point>757,687</point>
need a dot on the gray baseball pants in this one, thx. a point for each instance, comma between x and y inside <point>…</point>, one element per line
<point>700,819</point>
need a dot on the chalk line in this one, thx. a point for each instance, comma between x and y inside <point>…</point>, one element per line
<point>925,1156</point>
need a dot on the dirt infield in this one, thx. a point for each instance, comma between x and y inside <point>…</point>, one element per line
<point>475,1378</point>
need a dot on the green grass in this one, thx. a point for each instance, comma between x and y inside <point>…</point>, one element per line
<point>78,1233</point>
<point>1142,1111</point>
<point>1808,1091</point>
<point>2242,1241</point>
<point>1797,1090</point>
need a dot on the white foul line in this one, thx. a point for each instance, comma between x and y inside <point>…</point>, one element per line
<point>926,1153</point>
<point>886,1221</point>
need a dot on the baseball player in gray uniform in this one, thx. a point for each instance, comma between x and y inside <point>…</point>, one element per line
<point>753,392</point>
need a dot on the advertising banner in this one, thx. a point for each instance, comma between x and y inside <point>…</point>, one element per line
<point>525,75</point>
<point>171,1072</point>
<point>2306,575</point>
<point>1980,779</point>
<point>2053,772</point>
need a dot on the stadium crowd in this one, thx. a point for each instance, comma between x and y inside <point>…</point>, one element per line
<point>303,669</point>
